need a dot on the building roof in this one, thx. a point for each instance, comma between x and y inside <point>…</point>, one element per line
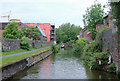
<point>43,34</point>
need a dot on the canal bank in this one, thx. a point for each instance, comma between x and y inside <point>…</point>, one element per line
<point>65,65</point>
<point>13,68</point>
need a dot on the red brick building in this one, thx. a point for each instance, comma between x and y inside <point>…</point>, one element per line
<point>47,28</point>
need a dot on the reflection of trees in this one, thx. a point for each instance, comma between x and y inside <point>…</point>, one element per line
<point>53,57</point>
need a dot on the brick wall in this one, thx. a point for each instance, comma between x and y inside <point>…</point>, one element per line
<point>38,43</point>
<point>110,40</point>
<point>9,44</point>
<point>100,27</point>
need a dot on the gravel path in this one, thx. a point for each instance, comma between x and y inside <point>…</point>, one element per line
<point>20,53</point>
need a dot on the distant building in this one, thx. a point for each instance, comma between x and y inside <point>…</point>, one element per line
<point>47,28</point>
<point>84,33</point>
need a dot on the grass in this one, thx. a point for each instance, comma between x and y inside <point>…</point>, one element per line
<point>9,60</point>
<point>17,51</point>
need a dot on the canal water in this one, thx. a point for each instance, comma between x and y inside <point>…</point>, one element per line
<point>64,65</point>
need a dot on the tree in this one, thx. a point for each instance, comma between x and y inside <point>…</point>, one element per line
<point>94,15</point>
<point>67,32</point>
<point>31,32</point>
<point>25,43</point>
<point>115,11</point>
<point>11,31</point>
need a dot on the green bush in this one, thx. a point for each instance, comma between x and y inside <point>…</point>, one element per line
<point>99,56</point>
<point>11,31</point>
<point>79,45</point>
<point>71,42</point>
<point>89,49</point>
<point>25,44</point>
<point>55,48</point>
<point>112,67</point>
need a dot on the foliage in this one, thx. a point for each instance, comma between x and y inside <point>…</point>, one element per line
<point>115,11</point>
<point>67,32</point>
<point>25,44</point>
<point>94,47</point>
<point>11,31</point>
<point>55,48</point>
<point>31,32</point>
<point>71,42</point>
<point>102,56</point>
<point>112,67</point>
<point>80,43</point>
<point>93,54</point>
<point>94,15</point>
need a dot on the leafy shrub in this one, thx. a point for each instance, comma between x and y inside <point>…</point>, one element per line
<point>80,43</point>
<point>25,44</point>
<point>102,56</point>
<point>11,31</point>
<point>89,49</point>
<point>112,67</point>
<point>55,48</point>
<point>71,42</point>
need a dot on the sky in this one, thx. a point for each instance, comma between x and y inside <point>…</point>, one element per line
<point>47,11</point>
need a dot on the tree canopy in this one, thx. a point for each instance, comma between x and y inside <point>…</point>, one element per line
<point>11,31</point>
<point>94,15</point>
<point>115,11</point>
<point>31,32</point>
<point>67,32</point>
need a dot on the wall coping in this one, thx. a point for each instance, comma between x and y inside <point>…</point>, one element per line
<point>23,59</point>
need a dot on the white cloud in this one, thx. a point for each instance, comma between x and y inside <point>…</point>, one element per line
<point>53,11</point>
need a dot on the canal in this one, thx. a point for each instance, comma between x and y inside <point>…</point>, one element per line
<point>64,65</point>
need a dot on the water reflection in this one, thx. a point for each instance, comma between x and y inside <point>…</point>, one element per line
<point>62,66</point>
<point>62,51</point>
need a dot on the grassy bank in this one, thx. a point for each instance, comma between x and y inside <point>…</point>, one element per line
<point>9,60</point>
<point>13,51</point>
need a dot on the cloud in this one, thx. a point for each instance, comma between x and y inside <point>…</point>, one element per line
<point>53,11</point>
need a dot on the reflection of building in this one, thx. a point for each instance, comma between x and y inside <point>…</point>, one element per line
<point>47,28</point>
